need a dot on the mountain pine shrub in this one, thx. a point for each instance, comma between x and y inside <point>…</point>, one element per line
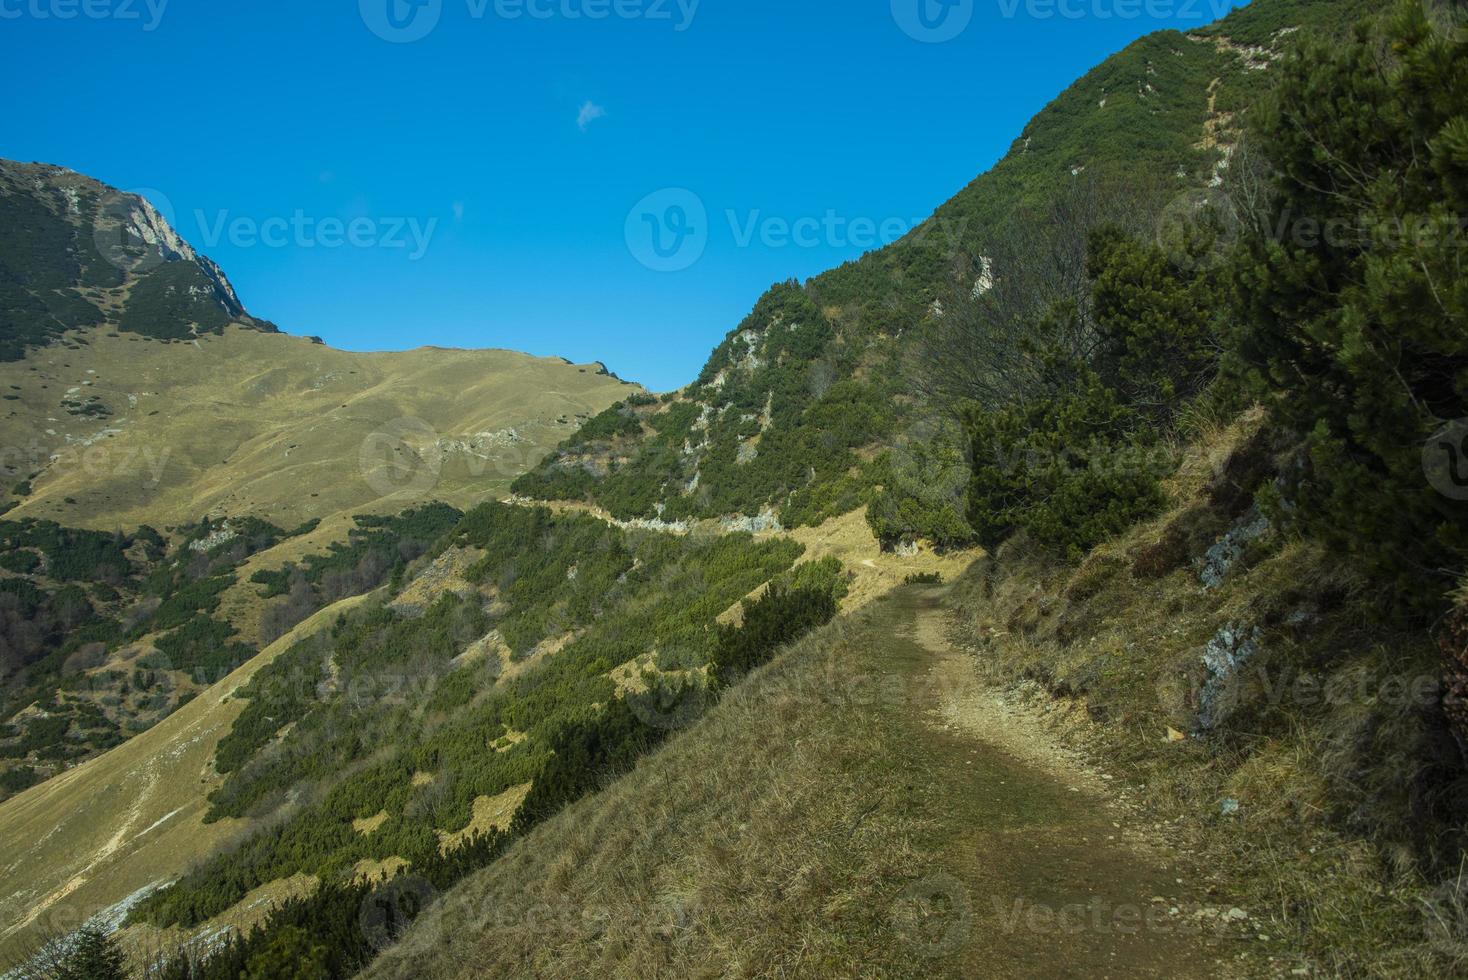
<point>1352,303</point>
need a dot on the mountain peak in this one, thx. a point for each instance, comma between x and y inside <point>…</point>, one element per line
<point>76,253</point>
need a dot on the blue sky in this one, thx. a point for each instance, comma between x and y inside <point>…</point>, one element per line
<point>495,182</point>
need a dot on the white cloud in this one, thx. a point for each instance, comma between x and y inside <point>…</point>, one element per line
<point>589,112</point>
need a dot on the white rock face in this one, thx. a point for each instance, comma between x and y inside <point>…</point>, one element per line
<point>482,444</point>
<point>145,223</point>
<point>749,360</point>
<point>1224,657</point>
<point>215,538</point>
<point>1220,559</point>
<point>659,525</point>
<point>985,280</point>
<point>766,521</point>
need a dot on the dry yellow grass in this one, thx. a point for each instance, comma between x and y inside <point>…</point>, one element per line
<point>490,645</point>
<point>443,576</point>
<point>543,651</point>
<point>367,826</point>
<point>873,572</point>
<point>370,871</point>
<point>876,572</point>
<point>490,813</point>
<point>279,427</point>
<point>631,678</point>
<point>508,740</point>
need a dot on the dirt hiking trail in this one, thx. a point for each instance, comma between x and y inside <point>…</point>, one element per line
<point>1037,870</point>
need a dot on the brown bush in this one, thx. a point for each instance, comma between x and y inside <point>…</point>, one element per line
<point>1168,553</point>
<point>1232,489</point>
<point>85,657</point>
<point>1187,536</point>
<point>1453,640</point>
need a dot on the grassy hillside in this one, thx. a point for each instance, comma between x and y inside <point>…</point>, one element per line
<point>121,431</point>
<point>167,403</point>
<point>277,434</point>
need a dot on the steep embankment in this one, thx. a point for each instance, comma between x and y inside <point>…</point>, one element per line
<point>860,808</point>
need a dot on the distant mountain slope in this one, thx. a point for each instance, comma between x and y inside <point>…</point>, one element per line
<point>138,390</point>
<point>75,253</point>
<point>125,820</point>
<point>160,448</point>
<point>122,431</point>
<point>788,419</point>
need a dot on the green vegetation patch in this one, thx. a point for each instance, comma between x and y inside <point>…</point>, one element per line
<point>349,717</point>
